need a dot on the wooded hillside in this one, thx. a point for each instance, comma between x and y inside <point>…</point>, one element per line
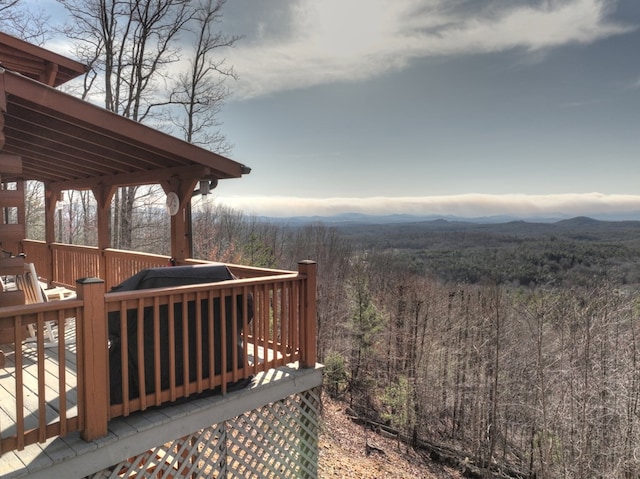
<point>514,345</point>
<point>526,378</point>
<point>527,368</point>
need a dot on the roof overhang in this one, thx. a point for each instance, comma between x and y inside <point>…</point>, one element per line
<point>69,143</point>
<point>36,62</point>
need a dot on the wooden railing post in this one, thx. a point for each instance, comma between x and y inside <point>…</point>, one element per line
<point>309,327</point>
<point>94,347</point>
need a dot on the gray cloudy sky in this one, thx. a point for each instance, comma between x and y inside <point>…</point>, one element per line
<point>435,106</point>
<point>436,98</point>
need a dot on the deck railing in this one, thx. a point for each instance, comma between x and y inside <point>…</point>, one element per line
<point>41,386</point>
<point>260,319</point>
<point>235,329</point>
<point>62,264</point>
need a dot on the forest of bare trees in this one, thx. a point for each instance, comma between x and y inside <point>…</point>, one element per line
<point>531,381</point>
<point>542,381</point>
<point>526,381</point>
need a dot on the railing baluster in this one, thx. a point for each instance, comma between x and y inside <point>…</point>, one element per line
<point>223,343</point>
<point>124,358</point>
<point>286,315</point>
<point>19,371</point>
<point>172,349</point>
<point>185,345</point>
<point>255,328</point>
<point>275,298</point>
<point>210,339</point>
<point>198,339</point>
<point>245,329</point>
<point>157,352</point>
<point>234,333</point>
<point>80,373</point>
<point>42,411</point>
<point>62,372</point>
<point>264,325</point>
<point>142,390</point>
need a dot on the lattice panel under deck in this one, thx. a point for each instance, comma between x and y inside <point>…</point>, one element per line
<point>279,440</point>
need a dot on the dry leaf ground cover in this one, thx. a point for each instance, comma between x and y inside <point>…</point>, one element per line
<point>343,452</point>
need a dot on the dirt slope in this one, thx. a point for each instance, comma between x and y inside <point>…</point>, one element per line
<point>343,453</point>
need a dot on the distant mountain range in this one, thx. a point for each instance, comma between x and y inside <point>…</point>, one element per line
<point>359,218</point>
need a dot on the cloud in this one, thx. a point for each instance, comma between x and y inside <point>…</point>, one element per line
<point>465,205</point>
<point>349,40</point>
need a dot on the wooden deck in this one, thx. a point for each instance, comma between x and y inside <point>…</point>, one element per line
<point>58,417</point>
<point>53,398</point>
<point>71,456</point>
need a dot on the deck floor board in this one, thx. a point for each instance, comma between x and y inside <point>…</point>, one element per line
<point>124,433</point>
<point>140,431</point>
<point>30,374</point>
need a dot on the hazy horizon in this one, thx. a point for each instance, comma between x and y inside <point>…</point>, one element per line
<point>467,206</point>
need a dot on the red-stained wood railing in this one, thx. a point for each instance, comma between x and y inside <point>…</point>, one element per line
<point>40,386</point>
<point>194,361</point>
<point>282,305</point>
<point>122,264</point>
<point>62,264</point>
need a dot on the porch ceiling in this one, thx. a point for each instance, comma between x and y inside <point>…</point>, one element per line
<point>69,143</point>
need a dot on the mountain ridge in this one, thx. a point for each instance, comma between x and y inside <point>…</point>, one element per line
<point>398,218</point>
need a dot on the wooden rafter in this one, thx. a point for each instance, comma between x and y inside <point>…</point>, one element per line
<point>71,144</point>
<point>36,62</point>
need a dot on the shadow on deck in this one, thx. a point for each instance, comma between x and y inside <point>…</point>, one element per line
<point>57,418</point>
<point>209,434</point>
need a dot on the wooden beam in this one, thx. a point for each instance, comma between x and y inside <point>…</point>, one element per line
<point>3,94</point>
<point>64,137</point>
<point>12,266</point>
<point>10,298</point>
<point>103,196</point>
<point>110,125</point>
<point>10,164</point>
<point>162,176</point>
<point>22,211</point>
<point>50,199</point>
<point>11,236</point>
<point>48,76</point>
<point>28,52</point>
<point>11,198</point>
<point>181,221</point>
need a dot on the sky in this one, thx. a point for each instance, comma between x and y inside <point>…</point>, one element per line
<point>463,107</point>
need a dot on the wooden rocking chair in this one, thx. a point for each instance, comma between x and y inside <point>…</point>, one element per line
<point>33,291</point>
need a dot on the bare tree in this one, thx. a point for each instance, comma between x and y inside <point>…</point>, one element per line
<point>200,91</point>
<point>34,210</point>
<point>18,20</point>
<point>128,44</point>
<point>132,48</point>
